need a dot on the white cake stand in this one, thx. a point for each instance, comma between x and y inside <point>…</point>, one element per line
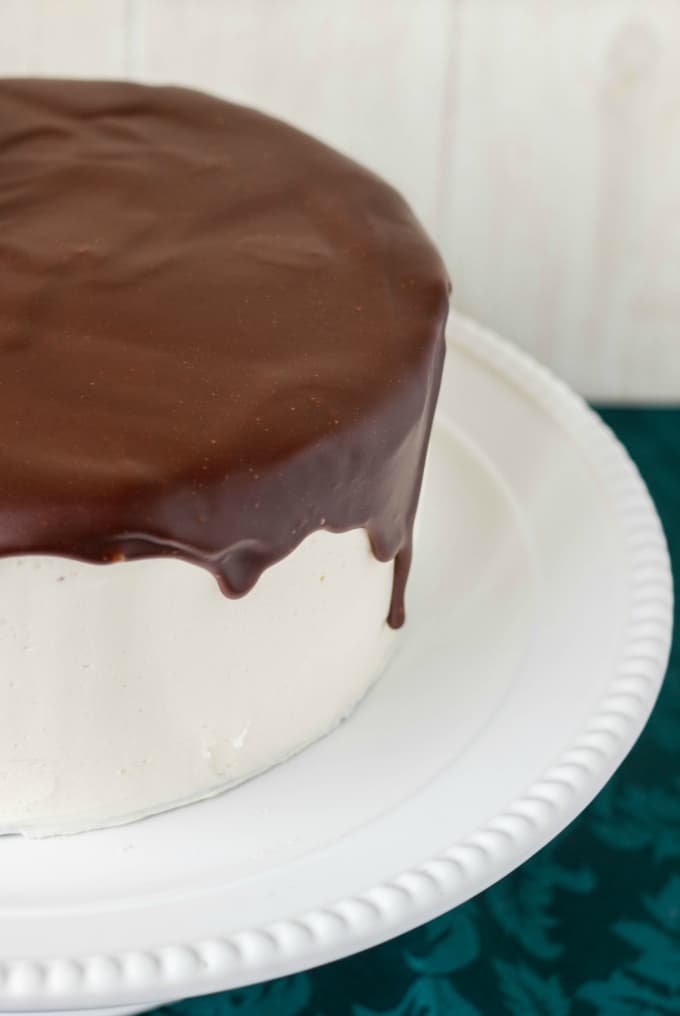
<point>538,633</point>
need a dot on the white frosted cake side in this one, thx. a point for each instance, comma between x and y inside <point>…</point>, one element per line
<point>129,688</point>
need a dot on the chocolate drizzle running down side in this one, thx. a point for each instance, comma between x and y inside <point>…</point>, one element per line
<point>217,335</point>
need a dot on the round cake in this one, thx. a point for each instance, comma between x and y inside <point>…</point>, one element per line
<point>221,344</point>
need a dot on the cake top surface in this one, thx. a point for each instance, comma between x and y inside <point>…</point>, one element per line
<point>200,308</point>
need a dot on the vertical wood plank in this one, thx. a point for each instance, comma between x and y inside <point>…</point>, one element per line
<point>560,218</point>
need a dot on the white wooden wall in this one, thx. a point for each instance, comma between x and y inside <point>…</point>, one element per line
<point>539,140</point>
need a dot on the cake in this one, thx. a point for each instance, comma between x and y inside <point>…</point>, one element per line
<point>220,344</point>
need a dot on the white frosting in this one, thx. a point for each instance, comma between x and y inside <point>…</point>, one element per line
<point>129,688</point>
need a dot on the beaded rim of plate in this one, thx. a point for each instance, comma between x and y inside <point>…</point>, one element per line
<point>442,881</point>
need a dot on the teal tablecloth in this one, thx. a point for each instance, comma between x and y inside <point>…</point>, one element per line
<point>590,926</point>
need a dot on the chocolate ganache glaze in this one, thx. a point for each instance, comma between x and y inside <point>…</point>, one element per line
<point>216,335</point>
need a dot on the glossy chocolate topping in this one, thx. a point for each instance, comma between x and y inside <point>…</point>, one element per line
<point>216,335</point>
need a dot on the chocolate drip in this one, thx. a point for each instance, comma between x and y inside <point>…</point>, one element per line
<point>217,335</point>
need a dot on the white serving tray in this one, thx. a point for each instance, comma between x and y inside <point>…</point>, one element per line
<point>539,623</point>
